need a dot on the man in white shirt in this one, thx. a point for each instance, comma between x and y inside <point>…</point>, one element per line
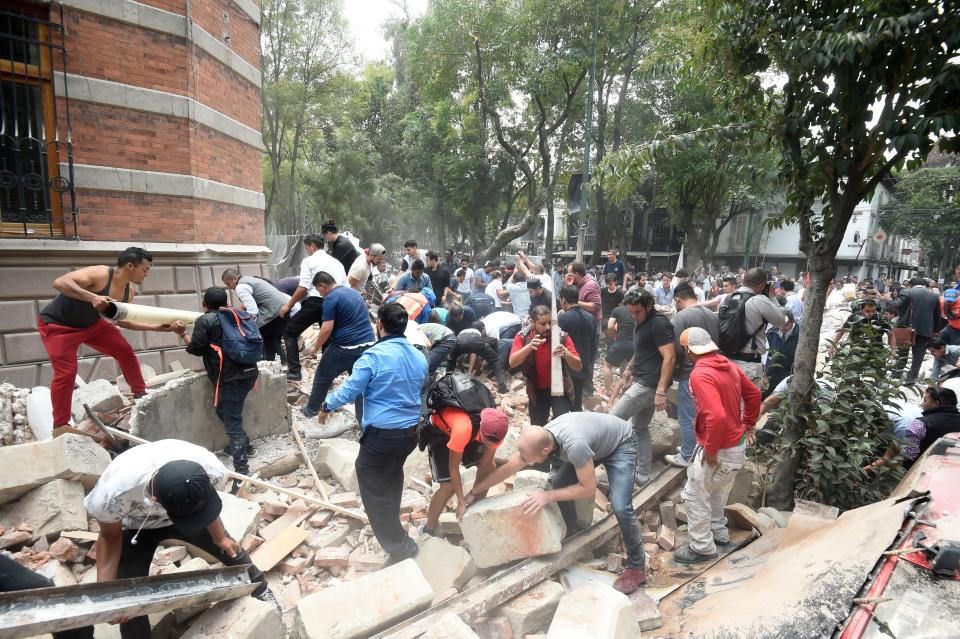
<point>363,266</point>
<point>157,491</point>
<point>412,253</point>
<point>494,287</point>
<point>793,300</point>
<point>311,310</point>
<point>760,309</point>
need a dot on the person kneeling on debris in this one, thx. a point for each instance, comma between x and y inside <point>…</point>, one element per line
<point>581,441</point>
<point>154,492</point>
<point>457,436</point>
<point>232,380</point>
<point>718,387</point>
<point>390,375</point>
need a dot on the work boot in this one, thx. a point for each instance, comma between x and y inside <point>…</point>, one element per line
<point>630,579</point>
<point>688,555</point>
<point>641,479</point>
<point>235,486</point>
<point>677,460</point>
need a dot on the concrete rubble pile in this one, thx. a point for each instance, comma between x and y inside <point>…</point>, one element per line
<point>14,428</point>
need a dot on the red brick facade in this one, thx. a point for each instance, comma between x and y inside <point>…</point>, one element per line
<point>111,135</point>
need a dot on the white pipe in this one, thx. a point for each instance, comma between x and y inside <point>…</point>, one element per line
<point>118,311</point>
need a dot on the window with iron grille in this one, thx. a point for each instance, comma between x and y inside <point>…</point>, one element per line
<point>36,198</point>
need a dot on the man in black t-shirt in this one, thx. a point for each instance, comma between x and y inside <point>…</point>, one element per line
<point>581,327</point>
<point>439,277</point>
<point>650,374</point>
<point>866,325</point>
<point>619,333</point>
<point>339,246</point>
<point>539,296</point>
<point>611,296</point>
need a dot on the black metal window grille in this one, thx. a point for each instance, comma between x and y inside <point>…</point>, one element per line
<point>36,198</point>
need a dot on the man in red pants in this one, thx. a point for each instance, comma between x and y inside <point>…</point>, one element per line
<point>73,318</point>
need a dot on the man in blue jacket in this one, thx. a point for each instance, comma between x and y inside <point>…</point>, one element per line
<point>781,349</point>
<point>390,375</point>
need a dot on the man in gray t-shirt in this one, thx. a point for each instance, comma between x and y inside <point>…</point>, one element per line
<point>581,441</point>
<point>689,315</point>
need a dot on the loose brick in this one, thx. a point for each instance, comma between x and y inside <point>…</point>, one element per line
<point>666,538</point>
<point>337,457</point>
<point>295,565</point>
<point>66,551</point>
<point>338,557</point>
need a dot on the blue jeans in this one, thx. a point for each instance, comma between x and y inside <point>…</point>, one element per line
<point>335,361</point>
<point>230,412</point>
<point>621,466</point>
<point>685,414</point>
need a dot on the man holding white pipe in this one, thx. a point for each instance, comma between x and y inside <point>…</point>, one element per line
<point>73,318</point>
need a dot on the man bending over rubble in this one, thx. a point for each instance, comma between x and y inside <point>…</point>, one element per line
<point>158,491</point>
<point>581,441</point>
<point>390,375</point>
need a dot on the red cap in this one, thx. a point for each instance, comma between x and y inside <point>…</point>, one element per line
<point>494,423</point>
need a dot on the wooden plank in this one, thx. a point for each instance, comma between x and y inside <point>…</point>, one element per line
<point>556,366</point>
<point>272,552</point>
<point>83,535</point>
<point>509,583</point>
<point>293,517</point>
<point>317,482</point>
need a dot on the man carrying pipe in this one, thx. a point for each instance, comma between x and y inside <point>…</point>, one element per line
<point>73,318</point>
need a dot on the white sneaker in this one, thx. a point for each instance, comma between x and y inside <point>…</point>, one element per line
<point>676,460</point>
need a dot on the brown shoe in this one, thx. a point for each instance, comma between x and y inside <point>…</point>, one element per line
<point>630,579</point>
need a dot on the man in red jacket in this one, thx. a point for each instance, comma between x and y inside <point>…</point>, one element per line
<point>723,430</point>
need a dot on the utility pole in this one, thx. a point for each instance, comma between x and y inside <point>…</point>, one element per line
<point>746,246</point>
<point>588,137</point>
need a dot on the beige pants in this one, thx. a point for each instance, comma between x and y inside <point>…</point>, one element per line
<point>753,370</point>
<point>705,494</point>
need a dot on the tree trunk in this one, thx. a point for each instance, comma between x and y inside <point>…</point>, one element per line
<point>548,239</point>
<point>510,233</point>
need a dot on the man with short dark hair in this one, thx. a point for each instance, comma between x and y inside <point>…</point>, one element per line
<point>339,246</point>
<point>158,491</point>
<point>390,376</point>
<point>362,267</point>
<point>689,314</point>
<point>943,353</point>
<point>411,253</point>
<point>582,329</point>
<point>539,296</point>
<point>650,374</point>
<point>759,310</point>
<point>414,280</point>
<point>73,319</point>
<point>460,318</point>
<point>663,292</point>
<point>263,300</point>
<point>311,310</point>
<point>919,308</point>
<point>611,297</point>
<point>614,267</point>
<point>794,303</point>
<point>345,333</point>
<point>439,277</point>
<point>587,289</point>
<point>231,380</point>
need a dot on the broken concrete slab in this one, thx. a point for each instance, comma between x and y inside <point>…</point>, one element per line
<point>742,490</point>
<point>610,615</point>
<point>359,608</point>
<point>778,517</point>
<point>646,610</point>
<point>742,517</point>
<point>532,611</point>
<point>531,480</point>
<point>27,466</point>
<point>146,371</point>
<point>444,565</point>
<point>336,457</point>
<point>49,509</point>
<point>183,409</point>
<point>450,626</point>
<point>58,573</point>
<point>240,516</point>
<point>448,524</point>
<point>242,618</point>
<point>101,395</point>
<point>484,523</point>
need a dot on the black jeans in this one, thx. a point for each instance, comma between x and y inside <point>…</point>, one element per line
<point>918,350</point>
<point>135,562</point>
<point>14,577</point>
<point>380,476</point>
<point>544,404</point>
<point>950,335</point>
<point>440,352</point>
<point>272,333</point>
<point>578,386</point>
<point>334,361</point>
<point>311,312</point>
<point>486,349</point>
<point>230,412</point>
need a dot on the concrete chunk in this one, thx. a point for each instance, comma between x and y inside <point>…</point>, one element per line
<point>240,516</point>
<point>532,611</point>
<point>444,565</point>
<point>497,531</point>
<point>645,610</point>
<point>360,608</point>
<point>610,615</point>
<point>49,509</point>
<point>27,466</point>
<point>243,618</point>
<point>101,395</point>
<point>336,457</point>
<point>449,626</point>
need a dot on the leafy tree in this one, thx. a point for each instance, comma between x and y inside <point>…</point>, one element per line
<point>868,87</point>
<point>925,206</point>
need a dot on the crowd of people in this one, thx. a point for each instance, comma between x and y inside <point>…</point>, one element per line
<point>725,341</point>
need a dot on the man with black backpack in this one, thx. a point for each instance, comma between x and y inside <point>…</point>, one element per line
<point>743,317</point>
<point>464,428</point>
<point>230,359</point>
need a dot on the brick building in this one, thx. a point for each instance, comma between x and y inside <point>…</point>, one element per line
<point>125,123</point>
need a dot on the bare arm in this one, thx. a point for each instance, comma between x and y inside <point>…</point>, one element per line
<point>669,355</point>
<point>513,465</point>
<point>109,545</point>
<point>326,329</point>
<point>78,284</point>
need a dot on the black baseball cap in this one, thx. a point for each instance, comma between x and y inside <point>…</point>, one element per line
<point>184,490</point>
<point>532,284</point>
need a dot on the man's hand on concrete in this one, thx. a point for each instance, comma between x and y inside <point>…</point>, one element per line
<point>461,507</point>
<point>534,502</point>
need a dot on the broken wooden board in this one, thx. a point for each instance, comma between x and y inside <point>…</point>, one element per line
<point>272,552</point>
<point>509,583</point>
<point>294,515</point>
<point>83,535</point>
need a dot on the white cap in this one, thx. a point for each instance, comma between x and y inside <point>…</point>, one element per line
<point>697,341</point>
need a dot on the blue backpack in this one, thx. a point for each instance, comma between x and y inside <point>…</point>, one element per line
<point>242,342</point>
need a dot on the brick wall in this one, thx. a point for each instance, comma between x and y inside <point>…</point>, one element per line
<point>175,281</point>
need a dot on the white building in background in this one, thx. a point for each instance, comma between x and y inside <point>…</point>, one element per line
<point>866,250</point>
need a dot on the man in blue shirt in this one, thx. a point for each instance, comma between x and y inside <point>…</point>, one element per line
<point>390,375</point>
<point>415,279</point>
<point>345,332</point>
<point>615,266</point>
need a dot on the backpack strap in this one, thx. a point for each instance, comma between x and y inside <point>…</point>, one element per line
<point>236,318</point>
<point>216,390</point>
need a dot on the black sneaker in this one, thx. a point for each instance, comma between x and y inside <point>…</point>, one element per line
<point>688,555</point>
<point>250,450</point>
<point>235,487</point>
